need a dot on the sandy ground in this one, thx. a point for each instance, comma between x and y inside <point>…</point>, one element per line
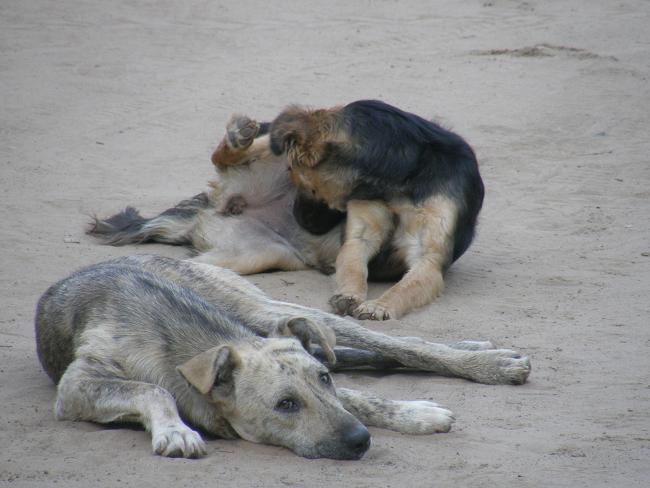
<point>111,103</point>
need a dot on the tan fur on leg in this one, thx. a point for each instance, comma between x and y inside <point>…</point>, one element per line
<point>275,257</point>
<point>425,233</point>
<point>369,224</point>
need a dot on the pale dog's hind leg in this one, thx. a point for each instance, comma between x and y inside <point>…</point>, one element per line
<point>273,256</point>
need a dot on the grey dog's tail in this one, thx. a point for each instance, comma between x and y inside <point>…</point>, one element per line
<point>173,226</point>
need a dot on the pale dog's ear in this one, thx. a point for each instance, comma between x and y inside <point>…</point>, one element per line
<point>212,368</point>
<point>308,332</point>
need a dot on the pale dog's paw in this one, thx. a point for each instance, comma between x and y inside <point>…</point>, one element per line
<point>241,131</point>
<point>235,205</point>
<point>373,310</point>
<point>423,417</point>
<point>178,441</point>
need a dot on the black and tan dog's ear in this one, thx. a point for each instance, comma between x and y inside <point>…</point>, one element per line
<point>211,368</point>
<point>308,332</point>
<point>288,130</point>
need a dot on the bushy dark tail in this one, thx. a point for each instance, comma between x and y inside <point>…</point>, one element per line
<point>173,226</point>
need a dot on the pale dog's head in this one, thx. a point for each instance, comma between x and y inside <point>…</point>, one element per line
<point>273,391</point>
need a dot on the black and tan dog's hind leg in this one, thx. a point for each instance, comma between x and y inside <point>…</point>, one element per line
<point>94,393</point>
<point>369,224</point>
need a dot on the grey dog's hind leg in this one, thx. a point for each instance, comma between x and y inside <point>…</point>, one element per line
<point>349,358</point>
<point>462,345</point>
<point>252,307</point>
<point>84,396</point>
<point>407,417</point>
<point>473,361</point>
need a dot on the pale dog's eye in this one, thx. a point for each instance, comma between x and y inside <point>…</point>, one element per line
<point>325,378</point>
<point>288,405</point>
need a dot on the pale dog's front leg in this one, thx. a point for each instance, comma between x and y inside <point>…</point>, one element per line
<point>80,396</point>
<point>407,417</point>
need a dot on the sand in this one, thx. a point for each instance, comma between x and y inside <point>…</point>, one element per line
<point>106,104</point>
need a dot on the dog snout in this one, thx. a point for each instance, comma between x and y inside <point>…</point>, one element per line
<point>356,441</point>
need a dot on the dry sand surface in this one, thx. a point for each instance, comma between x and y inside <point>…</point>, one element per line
<point>111,103</point>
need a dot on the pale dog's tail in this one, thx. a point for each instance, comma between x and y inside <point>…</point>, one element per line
<point>173,226</point>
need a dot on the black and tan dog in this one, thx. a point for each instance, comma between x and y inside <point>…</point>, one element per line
<point>410,188</point>
<point>163,342</point>
<point>411,191</point>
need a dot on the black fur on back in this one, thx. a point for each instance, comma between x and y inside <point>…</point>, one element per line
<point>399,154</point>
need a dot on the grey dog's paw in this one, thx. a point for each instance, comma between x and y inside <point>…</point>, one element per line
<point>241,131</point>
<point>501,366</point>
<point>178,441</point>
<point>422,417</point>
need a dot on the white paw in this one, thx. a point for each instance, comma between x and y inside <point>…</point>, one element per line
<point>501,366</point>
<point>178,441</point>
<point>422,417</point>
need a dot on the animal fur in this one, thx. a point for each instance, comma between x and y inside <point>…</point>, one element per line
<point>173,344</point>
<point>404,182</point>
<point>411,192</point>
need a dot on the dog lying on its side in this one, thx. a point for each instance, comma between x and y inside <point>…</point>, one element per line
<point>411,191</point>
<point>156,340</point>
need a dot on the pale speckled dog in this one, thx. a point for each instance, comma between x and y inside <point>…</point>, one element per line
<point>168,343</point>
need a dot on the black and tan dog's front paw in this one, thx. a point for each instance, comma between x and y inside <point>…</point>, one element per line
<point>241,131</point>
<point>344,304</point>
<point>373,310</point>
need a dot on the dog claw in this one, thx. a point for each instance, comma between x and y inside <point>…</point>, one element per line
<point>241,131</point>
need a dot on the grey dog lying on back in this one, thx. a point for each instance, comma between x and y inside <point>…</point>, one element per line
<point>153,340</point>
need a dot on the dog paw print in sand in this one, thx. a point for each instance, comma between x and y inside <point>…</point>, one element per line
<point>543,50</point>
